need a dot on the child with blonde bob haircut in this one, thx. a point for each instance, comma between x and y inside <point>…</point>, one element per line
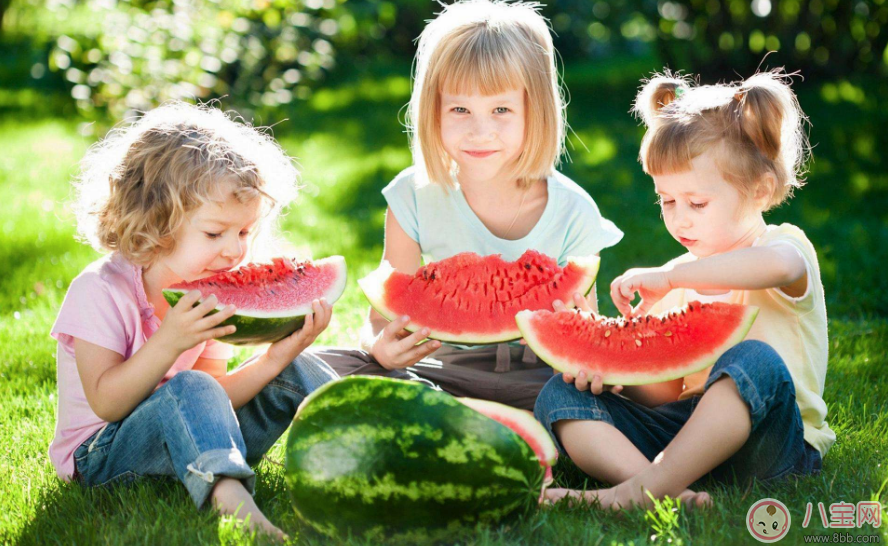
<point>181,194</point>
<point>720,156</point>
<point>486,118</point>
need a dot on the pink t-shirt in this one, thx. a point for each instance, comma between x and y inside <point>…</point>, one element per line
<point>105,305</point>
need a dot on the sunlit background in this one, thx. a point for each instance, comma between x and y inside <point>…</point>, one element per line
<point>332,79</point>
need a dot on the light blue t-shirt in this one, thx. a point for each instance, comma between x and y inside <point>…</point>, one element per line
<point>442,222</point>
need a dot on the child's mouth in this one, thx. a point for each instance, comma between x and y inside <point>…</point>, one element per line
<point>479,153</point>
<point>686,242</point>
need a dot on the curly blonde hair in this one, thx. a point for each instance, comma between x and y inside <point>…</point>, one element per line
<point>138,185</point>
<point>753,127</point>
<point>487,47</point>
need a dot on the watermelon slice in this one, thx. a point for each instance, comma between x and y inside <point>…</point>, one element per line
<point>272,299</point>
<point>640,350</point>
<point>473,299</point>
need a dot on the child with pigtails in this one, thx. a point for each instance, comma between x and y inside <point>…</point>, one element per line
<point>720,156</point>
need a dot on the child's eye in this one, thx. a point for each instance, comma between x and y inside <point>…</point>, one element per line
<point>501,110</point>
<point>664,202</point>
<point>212,235</point>
<point>459,110</point>
<point>698,205</point>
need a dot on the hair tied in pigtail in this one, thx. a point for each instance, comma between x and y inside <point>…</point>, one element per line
<point>679,91</point>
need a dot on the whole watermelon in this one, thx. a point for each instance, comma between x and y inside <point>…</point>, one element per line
<point>378,457</point>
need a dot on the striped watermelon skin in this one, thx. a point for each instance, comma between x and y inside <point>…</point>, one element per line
<point>379,457</point>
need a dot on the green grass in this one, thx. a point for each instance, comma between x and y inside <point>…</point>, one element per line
<point>350,145</point>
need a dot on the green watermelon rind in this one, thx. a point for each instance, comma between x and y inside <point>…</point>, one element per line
<point>257,328</point>
<point>522,418</point>
<point>400,487</point>
<point>524,321</point>
<point>373,287</point>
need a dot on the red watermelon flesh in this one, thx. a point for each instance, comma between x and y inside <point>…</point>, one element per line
<point>469,298</point>
<point>271,299</point>
<point>271,289</point>
<point>640,350</point>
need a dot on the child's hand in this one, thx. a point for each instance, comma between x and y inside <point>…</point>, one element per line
<point>579,301</point>
<point>284,351</point>
<point>184,325</point>
<point>581,382</point>
<point>652,284</point>
<point>395,348</point>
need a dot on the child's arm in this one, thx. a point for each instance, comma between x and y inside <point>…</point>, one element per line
<point>388,342</point>
<point>114,386</point>
<point>757,268</point>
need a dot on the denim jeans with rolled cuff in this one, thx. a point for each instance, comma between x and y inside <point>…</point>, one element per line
<point>187,429</point>
<point>775,448</point>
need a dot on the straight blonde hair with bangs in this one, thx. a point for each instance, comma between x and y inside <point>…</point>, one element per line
<point>487,47</point>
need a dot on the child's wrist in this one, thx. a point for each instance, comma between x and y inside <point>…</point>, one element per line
<point>671,278</point>
<point>163,350</point>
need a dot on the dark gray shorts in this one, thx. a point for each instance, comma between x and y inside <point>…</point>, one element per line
<point>501,373</point>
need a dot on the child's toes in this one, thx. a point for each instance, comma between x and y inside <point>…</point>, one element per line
<point>702,500</point>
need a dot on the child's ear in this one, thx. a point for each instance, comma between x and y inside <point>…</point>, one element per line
<point>764,191</point>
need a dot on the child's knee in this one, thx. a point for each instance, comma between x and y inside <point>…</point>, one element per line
<point>308,372</point>
<point>558,396</point>
<point>760,375</point>
<point>194,384</point>
<point>757,361</point>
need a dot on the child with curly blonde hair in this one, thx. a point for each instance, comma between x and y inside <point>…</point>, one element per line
<point>181,194</point>
<point>720,156</point>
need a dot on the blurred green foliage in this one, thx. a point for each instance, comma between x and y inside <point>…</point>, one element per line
<point>116,56</point>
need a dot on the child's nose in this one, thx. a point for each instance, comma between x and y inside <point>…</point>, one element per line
<point>482,129</point>
<point>233,248</point>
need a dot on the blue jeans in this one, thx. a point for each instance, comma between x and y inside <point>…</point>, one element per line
<point>776,446</point>
<point>188,429</point>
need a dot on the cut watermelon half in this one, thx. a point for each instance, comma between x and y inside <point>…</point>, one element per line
<point>523,424</point>
<point>636,351</point>
<point>272,299</point>
<point>473,299</point>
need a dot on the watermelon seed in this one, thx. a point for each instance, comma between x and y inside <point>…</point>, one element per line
<point>555,284</point>
<point>667,333</point>
<point>607,333</point>
<point>527,266</point>
<point>638,342</point>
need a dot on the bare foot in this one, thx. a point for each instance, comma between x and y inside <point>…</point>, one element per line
<point>230,497</point>
<point>694,499</point>
<point>619,497</point>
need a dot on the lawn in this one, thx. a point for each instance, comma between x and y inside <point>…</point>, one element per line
<point>349,144</point>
